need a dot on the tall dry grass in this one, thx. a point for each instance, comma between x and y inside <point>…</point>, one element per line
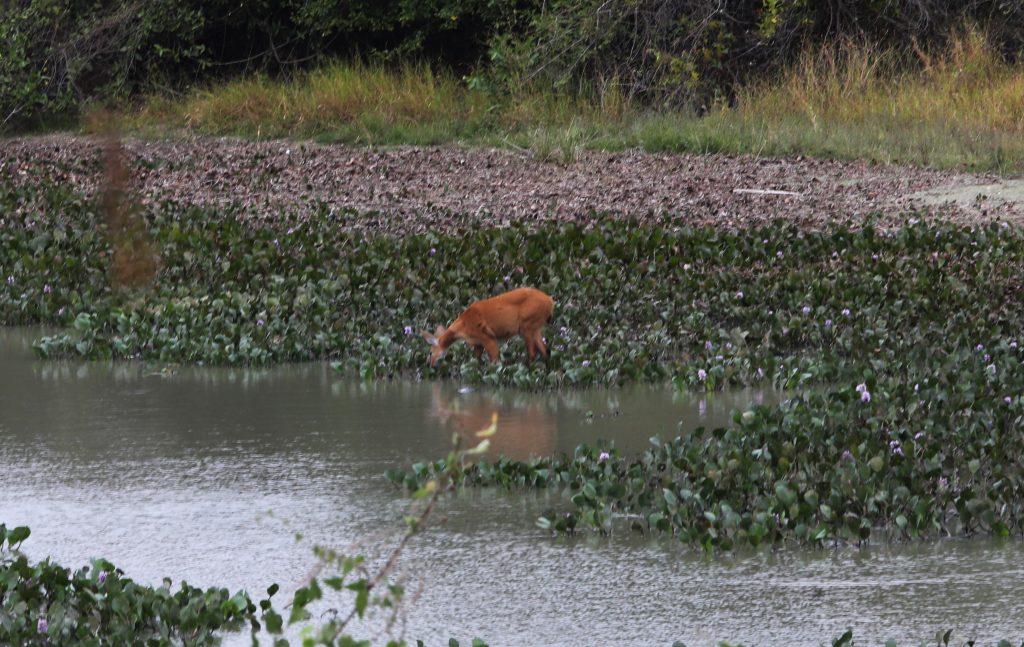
<point>963,106</point>
<point>959,107</point>
<point>351,101</point>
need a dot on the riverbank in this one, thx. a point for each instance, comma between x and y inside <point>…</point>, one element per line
<point>703,306</point>
<point>438,189</point>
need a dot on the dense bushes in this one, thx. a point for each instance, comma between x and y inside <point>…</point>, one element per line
<point>687,53</point>
<point>57,55</point>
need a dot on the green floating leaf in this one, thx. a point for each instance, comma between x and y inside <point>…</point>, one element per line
<point>273,621</point>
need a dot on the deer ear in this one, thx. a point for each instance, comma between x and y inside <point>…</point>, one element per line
<point>430,339</point>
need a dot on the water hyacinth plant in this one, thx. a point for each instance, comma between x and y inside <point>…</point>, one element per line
<point>822,467</point>
<point>44,603</point>
<point>652,303</point>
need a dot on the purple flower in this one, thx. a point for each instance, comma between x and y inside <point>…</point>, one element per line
<point>508,279</point>
<point>943,483</point>
<point>846,312</point>
<point>987,357</point>
<point>778,254</point>
<point>46,288</point>
<point>759,373</point>
<point>807,310</point>
<point>835,254</point>
<point>603,456</point>
<point>861,388</point>
<point>719,357</point>
<point>702,374</point>
<point>919,435</point>
<point>979,348</point>
<point>707,345</point>
<point>1013,344</point>
<point>1007,399</point>
<point>431,252</point>
<point>585,363</point>
<point>10,280</point>
<point>847,456</point>
<point>739,295</point>
<point>407,330</point>
<point>259,322</point>
<point>276,243</point>
<point>865,396</point>
<point>828,323</point>
<point>102,577</point>
<point>991,368</point>
<point>916,387</point>
<point>874,257</point>
<point>42,625</point>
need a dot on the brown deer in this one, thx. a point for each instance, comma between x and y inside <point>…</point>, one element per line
<point>522,311</point>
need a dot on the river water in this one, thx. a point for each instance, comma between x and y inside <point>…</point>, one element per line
<point>207,474</point>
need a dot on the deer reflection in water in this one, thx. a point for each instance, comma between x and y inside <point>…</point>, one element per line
<point>524,428</point>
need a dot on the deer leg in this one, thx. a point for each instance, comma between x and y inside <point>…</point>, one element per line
<point>531,351</point>
<point>541,348</point>
<point>478,351</point>
<point>491,346</point>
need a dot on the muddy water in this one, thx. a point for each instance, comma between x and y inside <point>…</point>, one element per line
<point>207,474</point>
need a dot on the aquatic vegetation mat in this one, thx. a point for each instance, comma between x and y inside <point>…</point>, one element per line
<point>896,457</point>
<point>703,308</point>
<point>44,603</point>
<point>416,189</point>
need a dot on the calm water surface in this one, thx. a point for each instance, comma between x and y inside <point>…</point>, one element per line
<point>207,474</point>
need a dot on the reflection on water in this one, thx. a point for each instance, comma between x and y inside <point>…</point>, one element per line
<point>172,471</point>
<point>524,427</point>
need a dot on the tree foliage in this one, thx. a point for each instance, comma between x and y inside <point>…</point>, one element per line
<point>58,55</point>
<point>688,53</point>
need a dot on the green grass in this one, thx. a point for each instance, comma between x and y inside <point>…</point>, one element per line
<point>960,108</point>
